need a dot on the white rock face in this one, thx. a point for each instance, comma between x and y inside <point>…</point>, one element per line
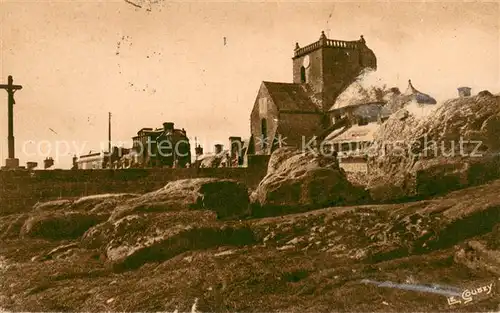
<point>452,141</point>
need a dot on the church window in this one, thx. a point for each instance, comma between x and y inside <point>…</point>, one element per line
<point>263,106</point>
<point>303,74</point>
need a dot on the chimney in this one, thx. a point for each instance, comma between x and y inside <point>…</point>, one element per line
<point>198,150</point>
<point>48,162</point>
<point>463,92</point>
<point>168,126</point>
<point>218,148</point>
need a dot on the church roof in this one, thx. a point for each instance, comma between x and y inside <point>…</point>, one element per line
<point>420,97</point>
<point>290,97</point>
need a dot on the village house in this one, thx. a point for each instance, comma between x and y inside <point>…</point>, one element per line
<point>91,161</point>
<point>161,147</point>
<point>103,160</point>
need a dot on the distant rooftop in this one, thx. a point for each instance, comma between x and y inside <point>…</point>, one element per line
<point>420,97</point>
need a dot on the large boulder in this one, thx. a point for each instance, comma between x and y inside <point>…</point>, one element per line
<point>304,180</point>
<point>278,157</point>
<point>136,239</point>
<point>228,198</point>
<point>100,203</point>
<point>454,146</point>
<point>60,225</point>
<point>66,219</point>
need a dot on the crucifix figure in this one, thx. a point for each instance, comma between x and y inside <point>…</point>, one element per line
<point>11,89</point>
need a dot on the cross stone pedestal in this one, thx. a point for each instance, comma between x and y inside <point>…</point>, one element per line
<point>11,163</point>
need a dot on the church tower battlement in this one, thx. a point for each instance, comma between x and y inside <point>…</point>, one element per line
<point>328,66</point>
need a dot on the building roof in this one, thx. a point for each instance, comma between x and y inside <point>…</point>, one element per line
<point>291,97</point>
<point>158,132</point>
<point>91,154</point>
<point>420,97</point>
<point>356,133</point>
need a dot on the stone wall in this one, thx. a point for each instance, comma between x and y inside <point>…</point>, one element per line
<point>19,190</point>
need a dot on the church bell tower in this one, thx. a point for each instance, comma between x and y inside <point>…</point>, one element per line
<point>326,67</point>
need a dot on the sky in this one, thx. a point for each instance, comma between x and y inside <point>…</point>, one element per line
<point>200,64</point>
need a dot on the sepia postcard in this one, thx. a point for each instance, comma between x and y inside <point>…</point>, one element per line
<point>258,156</point>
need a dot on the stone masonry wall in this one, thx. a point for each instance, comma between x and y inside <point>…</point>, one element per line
<point>20,190</point>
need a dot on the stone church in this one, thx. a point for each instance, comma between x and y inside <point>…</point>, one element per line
<point>291,113</point>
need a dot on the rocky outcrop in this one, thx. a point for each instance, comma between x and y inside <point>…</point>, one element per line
<point>68,219</point>
<point>454,146</point>
<point>153,237</point>
<point>52,205</point>
<point>278,157</point>
<point>60,225</point>
<point>11,225</point>
<point>304,179</point>
<point>476,256</point>
<point>424,226</point>
<point>101,203</point>
<point>227,198</point>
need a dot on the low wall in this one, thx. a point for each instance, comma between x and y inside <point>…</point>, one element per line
<point>19,190</point>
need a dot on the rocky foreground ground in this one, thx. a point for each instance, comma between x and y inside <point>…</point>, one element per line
<point>143,253</point>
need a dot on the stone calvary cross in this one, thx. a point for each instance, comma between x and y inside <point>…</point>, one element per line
<point>11,162</point>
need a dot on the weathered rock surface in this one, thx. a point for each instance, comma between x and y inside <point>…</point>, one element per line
<point>104,203</point>
<point>137,239</point>
<point>304,179</point>
<point>227,198</point>
<point>310,262</point>
<point>10,225</point>
<point>101,203</point>
<point>60,225</point>
<point>455,146</point>
<point>476,256</point>
<point>52,205</point>
<point>66,218</point>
